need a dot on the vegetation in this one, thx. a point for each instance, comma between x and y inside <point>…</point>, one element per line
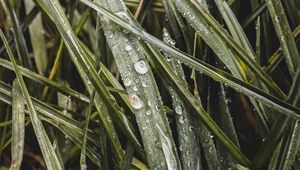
<point>161,84</point>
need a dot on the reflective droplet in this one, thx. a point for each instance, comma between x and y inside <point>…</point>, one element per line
<point>144,84</point>
<point>141,67</point>
<point>168,58</point>
<point>134,88</point>
<point>178,110</point>
<point>135,101</point>
<point>277,18</point>
<point>157,107</point>
<point>166,34</point>
<point>148,112</point>
<point>108,119</point>
<point>181,120</point>
<point>127,81</point>
<point>128,48</point>
<point>191,128</point>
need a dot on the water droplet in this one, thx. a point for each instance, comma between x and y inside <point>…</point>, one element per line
<point>168,58</point>
<point>135,101</point>
<point>277,18</point>
<point>191,128</point>
<point>178,110</point>
<point>210,149</point>
<point>189,164</point>
<point>108,119</point>
<point>134,88</point>
<point>141,67</point>
<point>144,84</point>
<point>166,34</point>
<point>180,147</point>
<point>172,42</point>
<point>148,112</point>
<point>157,107</point>
<point>181,120</point>
<point>127,81</point>
<point>128,48</point>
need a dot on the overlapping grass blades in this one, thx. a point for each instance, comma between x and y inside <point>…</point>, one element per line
<point>142,91</point>
<point>43,139</point>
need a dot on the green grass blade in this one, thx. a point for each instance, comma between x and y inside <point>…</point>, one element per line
<point>80,57</point>
<point>18,126</point>
<point>48,152</point>
<point>284,34</point>
<point>45,81</point>
<point>210,71</point>
<point>197,16</point>
<point>180,87</point>
<point>189,147</point>
<point>20,40</point>
<point>83,165</point>
<point>143,92</point>
<point>37,40</point>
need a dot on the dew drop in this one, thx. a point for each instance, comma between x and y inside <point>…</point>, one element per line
<point>181,120</point>
<point>128,48</point>
<point>277,18</point>
<point>135,101</point>
<point>144,84</point>
<point>168,58</point>
<point>178,110</point>
<point>135,88</point>
<point>127,81</point>
<point>148,112</point>
<point>191,128</point>
<point>157,107</point>
<point>141,67</point>
<point>166,34</point>
<point>108,119</point>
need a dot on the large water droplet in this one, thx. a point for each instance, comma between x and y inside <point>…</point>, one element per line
<point>141,67</point>
<point>178,110</point>
<point>135,101</point>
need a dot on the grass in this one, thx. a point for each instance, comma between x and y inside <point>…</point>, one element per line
<point>162,84</point>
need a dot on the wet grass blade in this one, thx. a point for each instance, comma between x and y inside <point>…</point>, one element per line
<point>45,81</point>
<point>142,89</point>
<point>83,165</point>
<point>210,71</point>
<point>18,126</point>
<point>90,77</point>
<point>189,147</point>
<point>48,152</point>
<point>164,69</point>
<point>36,30</point>
<point>284,34</point>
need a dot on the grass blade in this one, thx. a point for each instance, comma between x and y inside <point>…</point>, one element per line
<point>48,152</point>
<point>189,148</point>
<point>18,126</point>
<point>210,71</point>
<point>141,87</point>
<point>37,40</point>
<point>284,34</point>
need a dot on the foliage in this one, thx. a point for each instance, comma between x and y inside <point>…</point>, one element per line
<point>161,84</point>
